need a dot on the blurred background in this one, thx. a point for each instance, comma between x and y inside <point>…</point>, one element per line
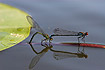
<point>74,15</point>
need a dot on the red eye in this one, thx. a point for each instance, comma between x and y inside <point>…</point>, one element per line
<point>86,33</point>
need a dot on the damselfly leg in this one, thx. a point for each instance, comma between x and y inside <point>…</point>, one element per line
<point>33,37</point>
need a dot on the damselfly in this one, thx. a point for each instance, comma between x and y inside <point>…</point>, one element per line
<point>35,25</point>
<point>62,32</point>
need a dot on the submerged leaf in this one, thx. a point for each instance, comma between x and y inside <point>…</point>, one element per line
<point>14,26</point>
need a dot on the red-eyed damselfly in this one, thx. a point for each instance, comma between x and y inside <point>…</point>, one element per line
<point>62,32</point>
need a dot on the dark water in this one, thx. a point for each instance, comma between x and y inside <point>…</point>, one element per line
<point>76,15</point>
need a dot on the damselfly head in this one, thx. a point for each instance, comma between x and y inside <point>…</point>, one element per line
<point>86,33</point>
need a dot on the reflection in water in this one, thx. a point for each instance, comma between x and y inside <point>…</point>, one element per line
<point>35,60</point>
<point>57,54</point>
<point>63,54</point>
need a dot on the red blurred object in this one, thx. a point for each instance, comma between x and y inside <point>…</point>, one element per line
<point>85,45</point>
<point>74,44</point>
<point>86,33</point>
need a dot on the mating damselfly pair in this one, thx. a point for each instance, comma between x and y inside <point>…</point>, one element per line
<point>57,32</point>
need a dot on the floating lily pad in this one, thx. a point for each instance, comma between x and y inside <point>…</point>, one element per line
<point>14,26</point>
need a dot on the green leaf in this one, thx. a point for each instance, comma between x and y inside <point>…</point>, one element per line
<point>14,26</point>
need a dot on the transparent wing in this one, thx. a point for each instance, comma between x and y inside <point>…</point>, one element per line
<point>34,24</point>
<point>35,60</point>
<point>59,55</point>
<point>59,31</point>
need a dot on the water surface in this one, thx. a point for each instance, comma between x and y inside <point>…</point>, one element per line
<point>76,15</point>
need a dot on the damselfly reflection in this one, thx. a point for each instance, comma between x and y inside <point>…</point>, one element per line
<point>35,60</point>
<point>56,54</point>
<point>62,32</point>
